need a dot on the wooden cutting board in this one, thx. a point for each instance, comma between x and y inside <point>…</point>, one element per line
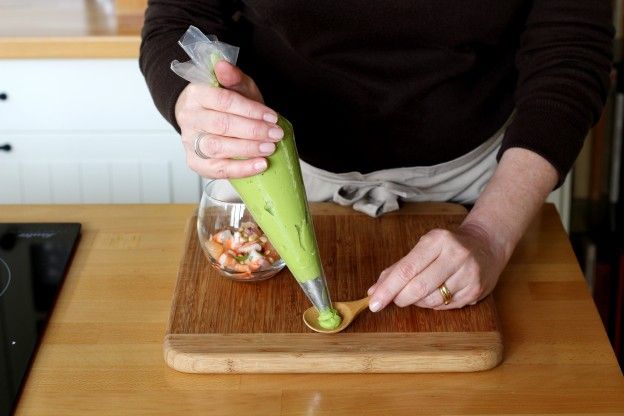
<point>221,326</point>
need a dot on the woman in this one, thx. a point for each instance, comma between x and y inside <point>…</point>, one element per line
<point>484,102</point>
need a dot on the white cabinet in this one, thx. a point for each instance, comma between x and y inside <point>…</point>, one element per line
<point>86,131</point>
<point>95,167</point>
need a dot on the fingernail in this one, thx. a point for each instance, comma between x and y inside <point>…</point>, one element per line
<point>276,133</point>
<point>267,148</point>
<point>374,306</point>
<point>260,165</point>
<point>271,118</point>
<point>371,290</point>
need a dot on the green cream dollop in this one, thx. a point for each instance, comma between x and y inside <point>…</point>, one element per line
<point>329,319</point>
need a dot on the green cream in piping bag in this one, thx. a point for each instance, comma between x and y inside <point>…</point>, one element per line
<point>276,197</point>
<point>277,200</point>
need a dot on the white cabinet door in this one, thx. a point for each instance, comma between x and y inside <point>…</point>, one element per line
<point>76,94</point>
<point>95,167</point>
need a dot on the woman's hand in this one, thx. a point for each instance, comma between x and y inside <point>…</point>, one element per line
<point>234,122</point>
<point>467,261</point>
<point>470,260</point>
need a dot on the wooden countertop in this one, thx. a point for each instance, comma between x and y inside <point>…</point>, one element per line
<point>32,29</point>
<point>102,353</point>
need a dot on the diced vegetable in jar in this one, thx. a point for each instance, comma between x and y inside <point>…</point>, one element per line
<point>243,250</point>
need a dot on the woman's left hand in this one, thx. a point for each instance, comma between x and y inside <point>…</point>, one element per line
<point>466,260</point>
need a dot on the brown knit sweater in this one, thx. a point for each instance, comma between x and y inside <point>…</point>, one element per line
<point>405,83</point>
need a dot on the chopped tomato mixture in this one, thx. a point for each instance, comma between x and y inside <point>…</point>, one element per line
<point>242,250</point>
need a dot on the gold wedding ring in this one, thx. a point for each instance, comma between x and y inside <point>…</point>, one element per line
<point>198,151</point>
<point>446,294</point>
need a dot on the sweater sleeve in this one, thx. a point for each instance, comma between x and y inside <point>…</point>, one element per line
<point>165,23</point>
<point>563,63</point>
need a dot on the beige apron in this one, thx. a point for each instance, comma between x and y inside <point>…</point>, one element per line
<point>459,180</point>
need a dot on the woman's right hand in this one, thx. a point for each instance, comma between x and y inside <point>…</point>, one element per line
<point>234,122</point>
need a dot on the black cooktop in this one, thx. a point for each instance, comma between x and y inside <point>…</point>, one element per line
<point>33,262</point>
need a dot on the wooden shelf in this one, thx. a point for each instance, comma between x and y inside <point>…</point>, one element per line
<point>69,29</point>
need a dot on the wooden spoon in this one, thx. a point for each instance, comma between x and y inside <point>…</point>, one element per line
<point>347,310</point>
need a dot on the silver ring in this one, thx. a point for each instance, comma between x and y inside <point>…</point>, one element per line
<point>198,151</point>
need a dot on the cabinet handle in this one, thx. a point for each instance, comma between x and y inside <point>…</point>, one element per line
<point>4,96</point>
<point>6,147</point>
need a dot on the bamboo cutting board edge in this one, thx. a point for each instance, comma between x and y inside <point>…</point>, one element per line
<point>344,353</point>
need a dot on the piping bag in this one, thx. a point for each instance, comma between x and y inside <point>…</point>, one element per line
<point>276,197</point>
